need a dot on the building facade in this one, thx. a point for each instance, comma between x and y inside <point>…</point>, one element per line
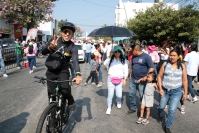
<point>128,10</point>
<point>45,30</point>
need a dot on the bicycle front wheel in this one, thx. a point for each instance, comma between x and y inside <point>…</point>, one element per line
<point>50,120</point>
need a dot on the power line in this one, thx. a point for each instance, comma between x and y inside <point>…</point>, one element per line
<point>67,2</point>
<point>97,4</point>
<point>94,16</point>
<point>89,25</point>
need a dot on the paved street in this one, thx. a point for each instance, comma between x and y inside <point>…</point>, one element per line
<point>23,101</point>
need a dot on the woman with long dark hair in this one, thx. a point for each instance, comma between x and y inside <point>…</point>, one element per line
<point>98,58</point>
<point>117,76</point>
<point>31,52</point>
<point>172,76</point>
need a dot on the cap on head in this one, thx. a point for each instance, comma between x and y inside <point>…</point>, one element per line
<point>68,25</point>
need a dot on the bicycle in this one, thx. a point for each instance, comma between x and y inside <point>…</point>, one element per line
<point>56,113</point>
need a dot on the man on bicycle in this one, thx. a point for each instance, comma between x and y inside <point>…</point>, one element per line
<point>69,51</point>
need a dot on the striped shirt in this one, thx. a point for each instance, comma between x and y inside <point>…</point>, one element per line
<point>172,79</point>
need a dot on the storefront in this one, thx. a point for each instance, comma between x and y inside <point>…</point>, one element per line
<point>5,33</point>
<point>6,30</point>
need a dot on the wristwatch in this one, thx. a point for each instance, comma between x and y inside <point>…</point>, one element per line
<point>78,74</point>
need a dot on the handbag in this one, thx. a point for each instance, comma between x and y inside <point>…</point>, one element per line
<point>53,61</point>
<point>116,80</point>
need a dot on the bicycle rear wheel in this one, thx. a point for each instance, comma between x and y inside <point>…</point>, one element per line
<point>50,120</point>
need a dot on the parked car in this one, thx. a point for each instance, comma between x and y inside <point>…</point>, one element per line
<point>8,49</point>
<point>80,53</point>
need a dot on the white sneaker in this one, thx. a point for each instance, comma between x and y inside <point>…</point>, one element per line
<point>195,99</point>
<point>108,111</point>
<point>31,71</point>
<point>34,67</point>
<point>5,75</point>
<point>99,85</point>
<point>119,105</point>
<point>85,84</point>
<point>18,67</point>
<point>187,97</point>
<point>182,110</point>
<point>93,83</point>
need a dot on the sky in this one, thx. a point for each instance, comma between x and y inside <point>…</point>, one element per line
<point>89,14</point>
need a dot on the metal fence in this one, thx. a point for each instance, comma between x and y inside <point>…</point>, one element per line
<point>10,58</point>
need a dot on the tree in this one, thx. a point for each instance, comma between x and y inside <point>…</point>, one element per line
<point>105,25</point>
<point>61,22</point>
<point>26,12</point>
<point>162,22</point>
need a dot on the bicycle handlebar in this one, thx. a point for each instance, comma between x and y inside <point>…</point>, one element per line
<point>53,81</point>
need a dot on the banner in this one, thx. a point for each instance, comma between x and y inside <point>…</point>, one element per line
<point>32,34</point>
<point>18,30</point>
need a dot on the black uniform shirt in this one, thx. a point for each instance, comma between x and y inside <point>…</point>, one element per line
<point>68,50</point>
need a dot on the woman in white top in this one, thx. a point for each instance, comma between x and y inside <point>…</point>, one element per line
<point>117,76</point>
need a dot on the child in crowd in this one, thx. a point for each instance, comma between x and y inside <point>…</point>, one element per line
<point>148,98</point>
<point>94,71</point>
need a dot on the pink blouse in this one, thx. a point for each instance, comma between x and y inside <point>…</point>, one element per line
<point>33,54</point>
<point>96,53</point>
<point>154,56</point>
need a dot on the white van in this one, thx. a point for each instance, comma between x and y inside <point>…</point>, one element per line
<point>81,54</point>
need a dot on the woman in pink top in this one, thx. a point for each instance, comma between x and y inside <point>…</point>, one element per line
<point>98,58</point>
<point>154,56</point>
<point>30,52</point>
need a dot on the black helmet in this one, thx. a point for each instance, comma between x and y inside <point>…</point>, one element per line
<point>68,25</point>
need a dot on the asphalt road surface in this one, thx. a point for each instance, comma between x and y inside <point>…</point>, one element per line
<point>22,102</point>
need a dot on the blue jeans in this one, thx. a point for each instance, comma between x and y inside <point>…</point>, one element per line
<point>72,70</point>
<point>34,63</point>
<point>31,61</point>
<point>18,60</point>
<point>174,97</point>
<point>133,88</point>
<point>88,57</point>
<point>190,88</point>
<point>155,68</point>
<point>3,68</point>
<point>111,88</point>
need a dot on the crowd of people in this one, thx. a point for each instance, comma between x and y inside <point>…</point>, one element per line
<point>29,50</point>
<point>169,68</point>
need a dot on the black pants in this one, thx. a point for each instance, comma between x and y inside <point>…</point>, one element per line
<point>65,87</point>
<point>198,75</point>
<point>93,73</point>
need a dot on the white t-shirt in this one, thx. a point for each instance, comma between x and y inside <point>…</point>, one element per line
<point>93,49</point>
<point>35,46</point>
<point>164,57</point>
<point>103,49</point>
<point>109,48</point>
<point>192,60</point>
<point>84,46</point>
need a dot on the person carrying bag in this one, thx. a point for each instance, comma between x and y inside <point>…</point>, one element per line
<point>117,76</point>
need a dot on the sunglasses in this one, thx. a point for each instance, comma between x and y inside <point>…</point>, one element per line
<point>117,51</point>
<point>65,31</point>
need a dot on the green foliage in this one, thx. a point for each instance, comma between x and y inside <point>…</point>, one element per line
<point>27,12</point>
<point>61,22</point>
<point>162,22</point>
